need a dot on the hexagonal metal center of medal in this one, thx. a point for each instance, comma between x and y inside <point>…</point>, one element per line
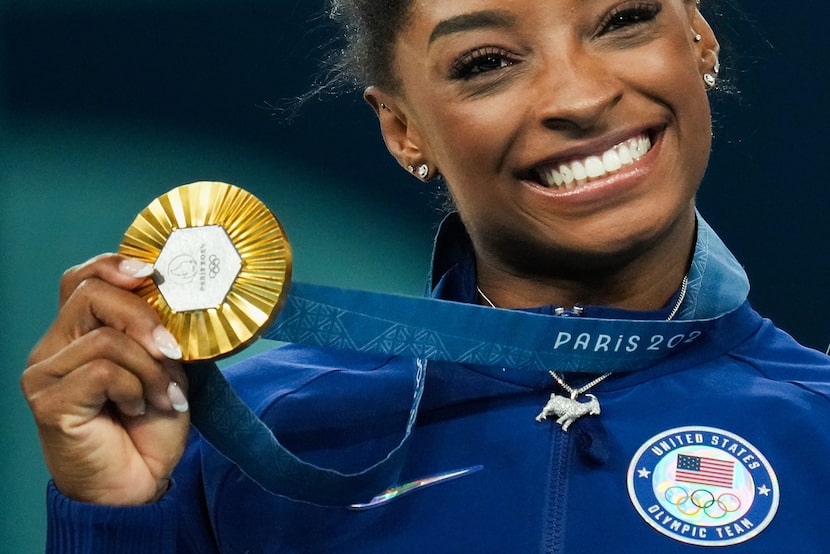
<point>196,268</point>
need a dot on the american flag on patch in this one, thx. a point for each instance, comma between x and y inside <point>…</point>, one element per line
<point>704,471</point>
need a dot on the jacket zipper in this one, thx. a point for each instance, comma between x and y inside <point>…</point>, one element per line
<point>557,492</point>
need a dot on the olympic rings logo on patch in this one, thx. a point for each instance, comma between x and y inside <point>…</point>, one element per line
<point>703,486</point>
<point>691,504</point>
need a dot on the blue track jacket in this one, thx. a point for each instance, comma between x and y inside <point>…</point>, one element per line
<point>721,445</point>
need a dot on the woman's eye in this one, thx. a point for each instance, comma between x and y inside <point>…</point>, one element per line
<point>479,61</point>
<point>630,17</point>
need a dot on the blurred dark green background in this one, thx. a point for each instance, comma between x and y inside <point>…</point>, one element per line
<point>105,105</point>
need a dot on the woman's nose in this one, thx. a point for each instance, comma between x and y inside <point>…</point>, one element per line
<point>576,92</point>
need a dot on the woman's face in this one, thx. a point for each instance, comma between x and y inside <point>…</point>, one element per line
<point>571,133</point>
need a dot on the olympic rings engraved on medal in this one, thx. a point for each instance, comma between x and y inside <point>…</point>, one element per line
<point>213,266</point>
<point>702,499</point>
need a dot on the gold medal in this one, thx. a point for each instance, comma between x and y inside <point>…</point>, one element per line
<point>222,266</point>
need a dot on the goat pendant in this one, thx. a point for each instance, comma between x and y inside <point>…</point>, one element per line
<point>568,410</point>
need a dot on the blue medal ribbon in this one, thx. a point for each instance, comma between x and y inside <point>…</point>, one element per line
<point>529,343</point>
<point>525,344</point>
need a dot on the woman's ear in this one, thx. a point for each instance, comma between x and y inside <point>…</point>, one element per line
<point>399,133</point>
<point>707,48</point>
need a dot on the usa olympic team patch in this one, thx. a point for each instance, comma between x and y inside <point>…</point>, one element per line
<point>703,486</point>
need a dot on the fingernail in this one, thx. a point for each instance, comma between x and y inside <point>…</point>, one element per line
<point>167,343</point>
<point>174,392</point>
<point>135,410</point>
<point>135,268</point>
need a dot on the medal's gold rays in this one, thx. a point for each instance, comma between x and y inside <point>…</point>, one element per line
<point>257,293</point>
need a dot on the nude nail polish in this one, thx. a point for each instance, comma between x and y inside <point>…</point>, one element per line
<point>135,268</point>
<point>177,398</point>
<point>167,343</point>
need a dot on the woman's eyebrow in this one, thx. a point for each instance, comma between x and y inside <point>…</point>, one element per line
<point>470,21</point>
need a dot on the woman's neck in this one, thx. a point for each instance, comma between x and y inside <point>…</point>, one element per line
<point>646,282</point>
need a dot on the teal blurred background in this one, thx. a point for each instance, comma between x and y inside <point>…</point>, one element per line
<point>105,105</point>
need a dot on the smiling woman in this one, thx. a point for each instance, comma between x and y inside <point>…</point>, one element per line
<point>629,386</point>
<point>547,88</point>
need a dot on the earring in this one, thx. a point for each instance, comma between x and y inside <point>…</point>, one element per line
<point>698,37</point>
<point>383,106</point>
<point>422,172</point>
<point>709,79</point>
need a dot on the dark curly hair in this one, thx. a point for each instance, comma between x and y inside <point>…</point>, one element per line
<point>369,29</point>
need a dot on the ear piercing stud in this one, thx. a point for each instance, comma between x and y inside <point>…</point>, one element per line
<point>422,172</point>
<point>709,79</point>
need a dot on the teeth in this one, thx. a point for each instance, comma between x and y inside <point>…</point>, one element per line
<point>576,172</point>
<point>567,176</point>
<point>557,177</point>
<point>611,161</point>
<point>579,171</point>
<point>594,167</point>
<point>625,154</point>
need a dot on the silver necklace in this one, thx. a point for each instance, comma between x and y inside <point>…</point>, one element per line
<point>569,409</point>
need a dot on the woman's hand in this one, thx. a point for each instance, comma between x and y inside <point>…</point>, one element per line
<point>105,389</point>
